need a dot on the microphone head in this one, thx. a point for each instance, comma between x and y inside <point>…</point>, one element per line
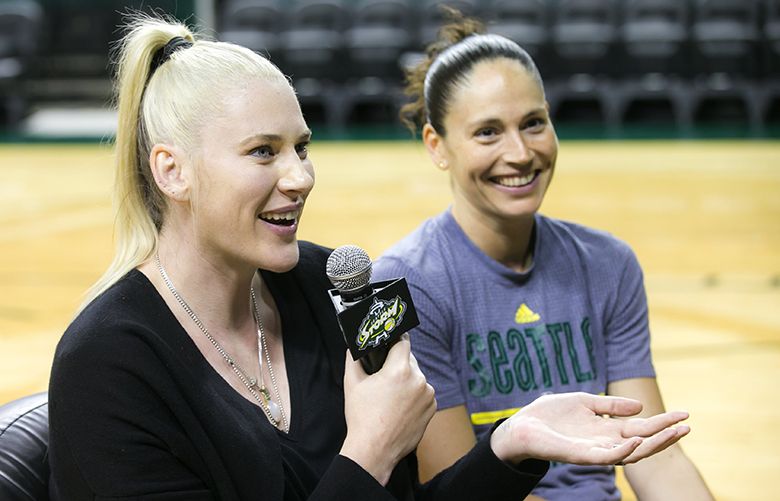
<point>348,268</point>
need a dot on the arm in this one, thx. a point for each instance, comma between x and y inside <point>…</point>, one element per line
<point>568,427</point>
<point>681,479</point>
<point>381,434</point>
<point>449,437</point>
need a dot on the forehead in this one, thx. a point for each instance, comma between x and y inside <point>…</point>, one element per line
<point>494,85</point>
<point>260,105</point>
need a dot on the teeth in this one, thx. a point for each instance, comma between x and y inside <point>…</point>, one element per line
<point>515,181</point>
<point>280,216</point>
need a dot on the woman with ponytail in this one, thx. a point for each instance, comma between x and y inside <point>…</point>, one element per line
<point>514,305</point>
<point>207,363</point>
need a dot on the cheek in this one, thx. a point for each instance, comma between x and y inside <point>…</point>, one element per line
<point>549,145</point>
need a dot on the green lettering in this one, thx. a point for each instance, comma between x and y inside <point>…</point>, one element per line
<point>481,386</point>
<point>502,379</point>
<point>575,361</point>
<point>524,369</point>
<point>535,335</point>
<point>553,330</point>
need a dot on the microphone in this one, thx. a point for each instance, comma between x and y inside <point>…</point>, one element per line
<point>372,317</point>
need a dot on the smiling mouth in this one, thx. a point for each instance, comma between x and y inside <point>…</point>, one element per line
<point>280,218</point>
<point>516,181</point>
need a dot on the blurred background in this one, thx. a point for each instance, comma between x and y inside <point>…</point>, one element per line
<point>613,68</point>
<point>669,117</point>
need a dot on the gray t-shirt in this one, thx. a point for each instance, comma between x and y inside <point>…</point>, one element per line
<point>493,339</point>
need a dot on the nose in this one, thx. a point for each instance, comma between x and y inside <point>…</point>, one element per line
<point>517,149</point>
<point>296,177</point>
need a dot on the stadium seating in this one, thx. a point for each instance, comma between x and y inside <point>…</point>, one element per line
<point>605,62</point>
<point>20,23</point>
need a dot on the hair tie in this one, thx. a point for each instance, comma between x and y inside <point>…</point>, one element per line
<point>164,53</point>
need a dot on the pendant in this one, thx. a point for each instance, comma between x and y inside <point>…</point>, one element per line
<point>276,413</point>
<point>273,409</point>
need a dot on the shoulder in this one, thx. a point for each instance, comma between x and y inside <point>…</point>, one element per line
<point>132,294</point>
<point>594,245</point>
<point>110,322</point>
<point>421,253</point>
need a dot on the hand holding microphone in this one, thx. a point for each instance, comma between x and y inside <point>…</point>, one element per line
<point>373,319</point>
<point>386,412</point>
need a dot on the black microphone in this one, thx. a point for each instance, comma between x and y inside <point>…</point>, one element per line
<point>372,317</point>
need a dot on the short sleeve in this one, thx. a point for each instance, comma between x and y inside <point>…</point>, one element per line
<point>432,340</point>
<point>627,330</point>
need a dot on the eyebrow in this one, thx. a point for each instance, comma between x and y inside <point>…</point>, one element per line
<point>273,138</point>
<point>494,120</point>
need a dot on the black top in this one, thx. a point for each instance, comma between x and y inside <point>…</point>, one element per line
<point>136,411</point>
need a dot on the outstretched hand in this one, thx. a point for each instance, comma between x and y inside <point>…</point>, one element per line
<point>579,428</point>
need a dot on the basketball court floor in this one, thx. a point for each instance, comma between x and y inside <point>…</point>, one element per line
<point>702,216</point>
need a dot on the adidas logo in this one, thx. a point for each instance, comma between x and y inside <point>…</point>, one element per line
<point>525,315</point>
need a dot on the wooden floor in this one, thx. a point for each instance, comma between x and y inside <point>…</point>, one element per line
<point>703,217</point>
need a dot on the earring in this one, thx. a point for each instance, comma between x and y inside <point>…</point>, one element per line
<point>442,165</point>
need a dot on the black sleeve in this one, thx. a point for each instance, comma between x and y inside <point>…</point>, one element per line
<point>481,475</point>
<point>478,475</point>
<point>347,480</point>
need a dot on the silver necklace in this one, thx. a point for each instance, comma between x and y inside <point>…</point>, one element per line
<point>273,411</point>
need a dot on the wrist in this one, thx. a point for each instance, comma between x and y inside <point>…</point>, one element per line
<point>504,446</point>
<point>370,459</point>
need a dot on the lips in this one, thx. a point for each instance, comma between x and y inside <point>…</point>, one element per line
<point>287,218</point>
<point>515,180</point>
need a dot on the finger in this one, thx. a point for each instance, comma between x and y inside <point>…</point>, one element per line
<point>591,453</point>
<point>614,406</point>
<point>413,362</point>
<point>353,371</point>
<point>645,427</point>
<point>400,351</point>
<point>658,443</point>
<point>619,452</point>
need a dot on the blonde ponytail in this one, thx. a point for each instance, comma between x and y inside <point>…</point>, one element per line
<point>167,104</point>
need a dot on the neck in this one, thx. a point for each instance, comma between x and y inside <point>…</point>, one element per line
<point>215,287</point>
<point>507,241</point>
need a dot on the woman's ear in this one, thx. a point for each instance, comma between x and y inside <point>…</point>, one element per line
<point>167,167</point>
<point>435,146</point>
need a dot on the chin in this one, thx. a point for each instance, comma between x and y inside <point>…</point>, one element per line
<point>282,261</point>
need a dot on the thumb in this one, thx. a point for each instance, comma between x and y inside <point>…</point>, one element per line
<point>400,352</point>
<point>353,371</point>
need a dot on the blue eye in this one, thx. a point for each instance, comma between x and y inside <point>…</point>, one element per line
<point>263,152</point>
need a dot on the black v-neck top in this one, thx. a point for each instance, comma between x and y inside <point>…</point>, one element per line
<point>136,411</point>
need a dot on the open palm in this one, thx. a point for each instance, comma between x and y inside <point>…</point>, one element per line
<point>579,428</point>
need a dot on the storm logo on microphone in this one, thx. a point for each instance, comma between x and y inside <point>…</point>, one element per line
<point>382,319</point>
